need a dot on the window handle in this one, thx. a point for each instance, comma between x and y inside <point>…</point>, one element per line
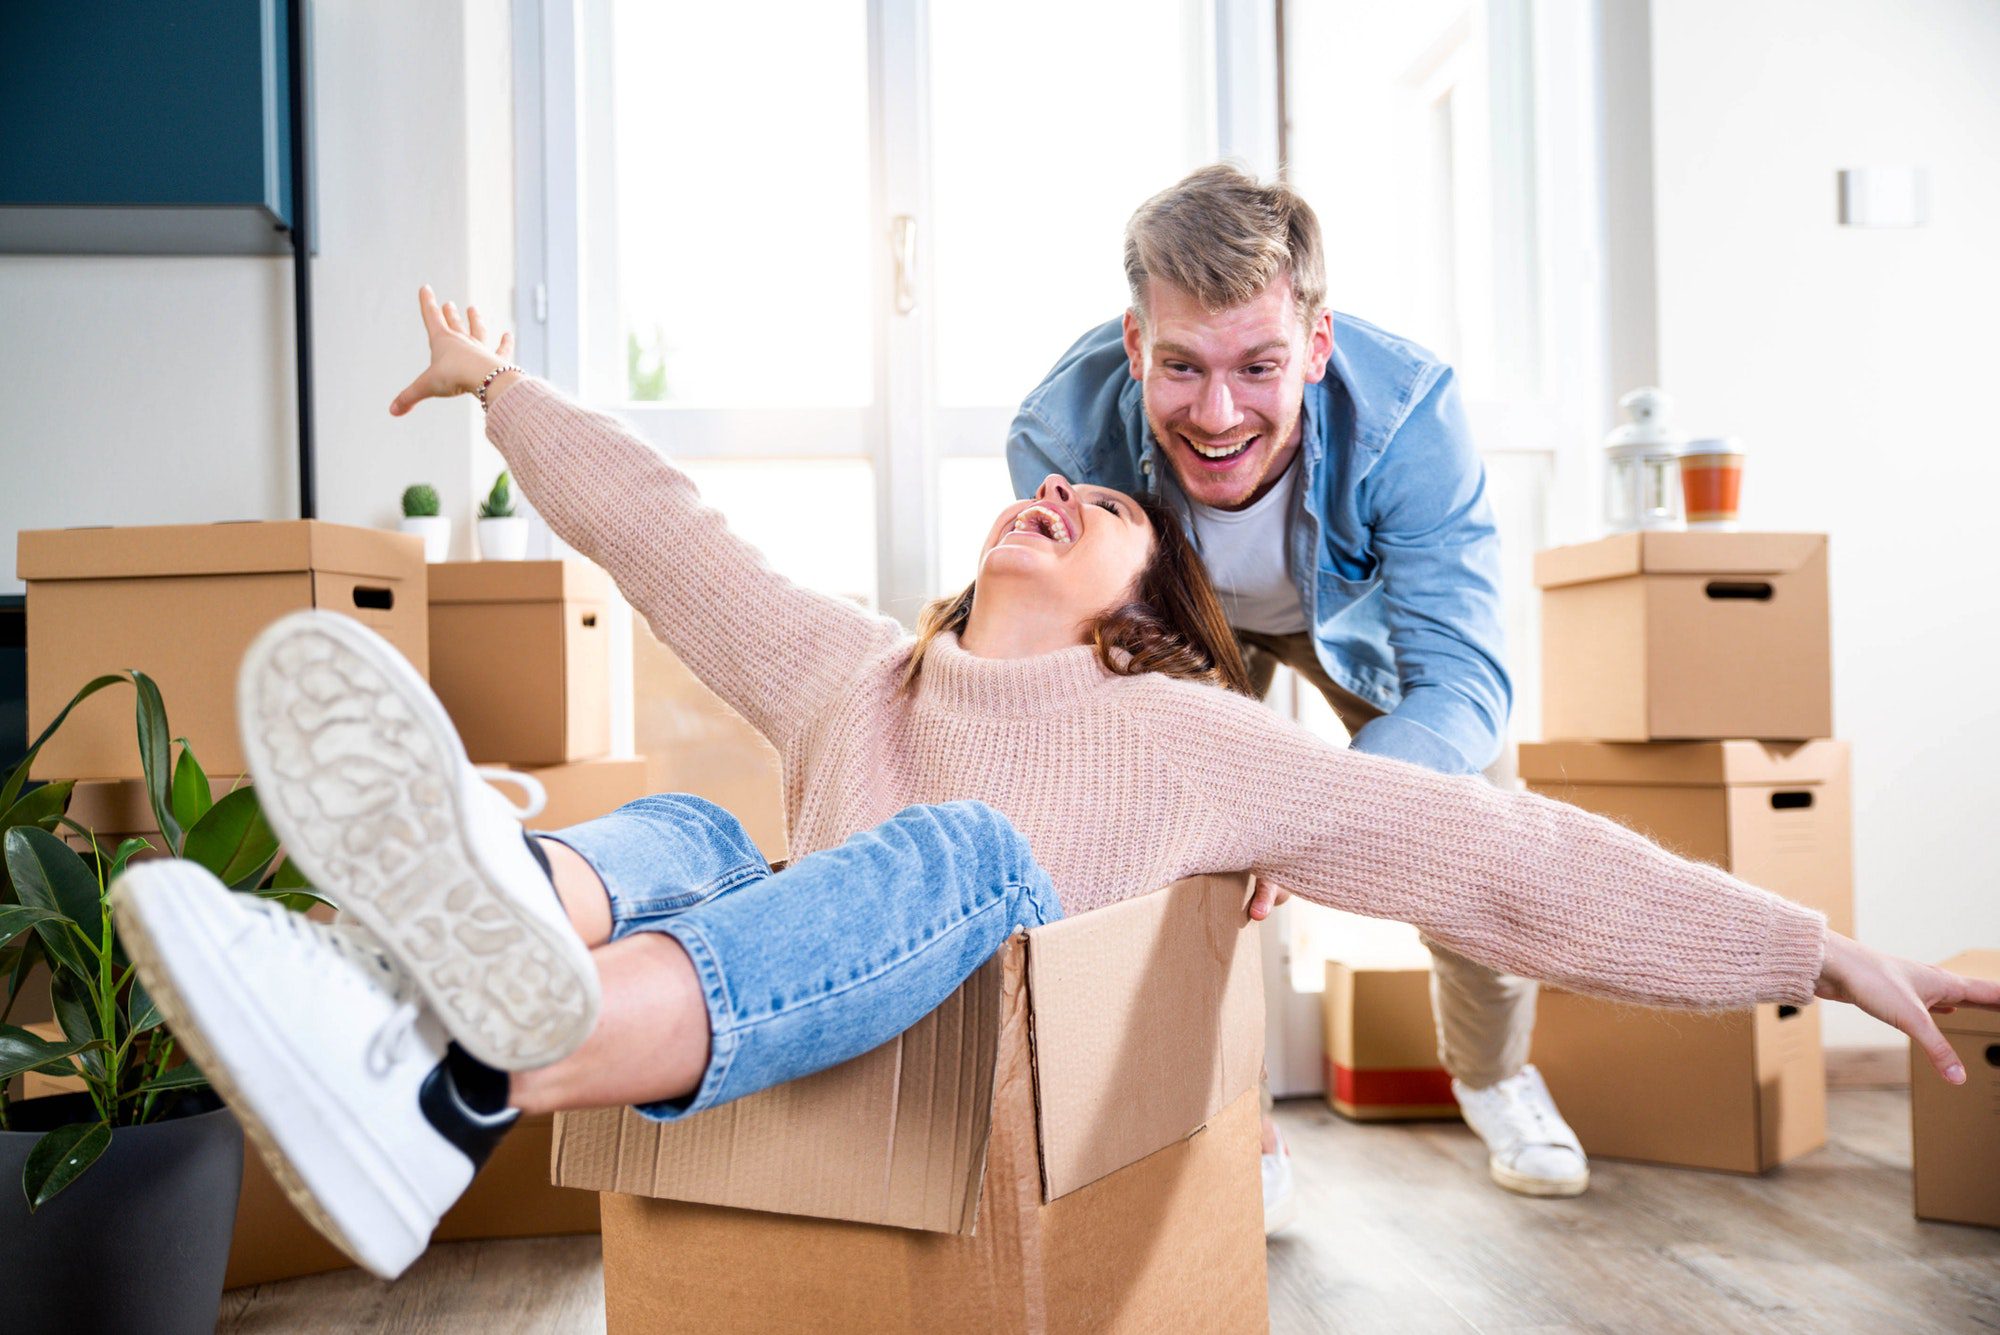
<point>903,238</point>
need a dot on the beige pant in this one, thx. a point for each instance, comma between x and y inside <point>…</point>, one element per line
<point>1485,1019</point>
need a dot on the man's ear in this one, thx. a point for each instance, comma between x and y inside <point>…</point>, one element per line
<point>1319,347</point>
<point>1135,345</point>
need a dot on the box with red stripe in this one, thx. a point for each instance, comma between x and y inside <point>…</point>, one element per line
<point>1381,1043</point>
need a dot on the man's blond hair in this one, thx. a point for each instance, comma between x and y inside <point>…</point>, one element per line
<point>1222,237</point>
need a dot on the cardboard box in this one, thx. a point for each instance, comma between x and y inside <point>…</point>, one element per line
<point>1955,1129</point>
<point>1741,1092</point>
<point>1660,636</point>
<point>1068,1143</point>
<point>1779,815</point>
<point>181,602</point>
<point>694,743</point>
<point>586,789</point>
<point>521,658</point>
<point>510,1198</point>
<point>1381,1043</point>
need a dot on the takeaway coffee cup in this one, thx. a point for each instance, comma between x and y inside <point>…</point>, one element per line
<point>1712,482</point>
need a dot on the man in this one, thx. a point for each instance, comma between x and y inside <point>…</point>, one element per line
<point>1326,472</point>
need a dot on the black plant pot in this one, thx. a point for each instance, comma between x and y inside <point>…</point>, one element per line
<point>139,1242</point>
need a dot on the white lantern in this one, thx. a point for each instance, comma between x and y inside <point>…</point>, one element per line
<point>1642,479</point>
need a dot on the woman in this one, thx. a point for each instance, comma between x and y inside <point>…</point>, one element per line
<point>1075,689</point>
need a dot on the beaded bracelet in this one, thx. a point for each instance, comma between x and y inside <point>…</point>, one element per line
<point>491,376</point>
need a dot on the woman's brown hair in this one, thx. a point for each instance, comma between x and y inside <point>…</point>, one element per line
<point>1173,623</point>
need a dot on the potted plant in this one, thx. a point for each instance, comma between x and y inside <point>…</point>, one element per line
<point>421,517</point>
<point>503,535</point>
<point>117,1200</point>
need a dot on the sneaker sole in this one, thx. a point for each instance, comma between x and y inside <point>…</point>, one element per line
<point>1523,1185</point>
<point>319,693</point>
<point>312,1163</point>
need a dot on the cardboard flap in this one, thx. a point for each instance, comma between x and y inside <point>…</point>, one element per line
<point>240,548</point>
<point>1667,553</point>
<point>1983,964</point>
<point>1684,764</point>
<point>1148,1020</point>
<point>517,582</point>
<point>896,1136</point>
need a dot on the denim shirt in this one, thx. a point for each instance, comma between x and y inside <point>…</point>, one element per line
<point>1392,544</point>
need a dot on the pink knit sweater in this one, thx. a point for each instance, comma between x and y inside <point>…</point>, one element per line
<point>1124,784</point>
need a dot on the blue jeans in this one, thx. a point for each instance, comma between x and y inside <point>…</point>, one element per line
<point>838,953</point>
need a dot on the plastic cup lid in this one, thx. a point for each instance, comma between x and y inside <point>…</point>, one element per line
<point>1713,445</point>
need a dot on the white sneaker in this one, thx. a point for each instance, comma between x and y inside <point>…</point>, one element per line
<point>365,781</point>
<point>340,1078</point>
<point>1530,1148</point>
<point>1281,1204</point>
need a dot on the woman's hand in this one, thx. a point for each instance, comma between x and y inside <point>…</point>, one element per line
<point>461,357</point>
<point>1903,993</point>
<point>1264,897</point>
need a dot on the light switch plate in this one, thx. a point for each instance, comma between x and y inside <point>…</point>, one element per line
<point>1884,197</point>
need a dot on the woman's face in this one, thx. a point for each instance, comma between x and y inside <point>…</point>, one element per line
<point>1080,548</point>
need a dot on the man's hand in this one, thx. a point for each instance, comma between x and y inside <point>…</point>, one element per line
<point>461,357</point>
<point>1265,897</point>
<point>1903,993</point>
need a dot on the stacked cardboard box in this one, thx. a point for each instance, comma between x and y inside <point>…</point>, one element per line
<point>1381,1048</point>
<point>1956,1128</point>
<point>183,602</point>
<point>1687,680</point>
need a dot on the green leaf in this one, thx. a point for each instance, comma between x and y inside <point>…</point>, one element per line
<point>191,795</point>
<point>18,918</point>
<point>233,839</point>
<point>142,1011</point>
<point>154,754</point>
<point>126,849</point>
<point>40,807</point>
<point>185,1076</point>
<point>22,1051</point>
<point>60,1158</point>
<point>298,901</point>
<point>12,788</point>
<point>48,874</point>
<point>78,1018</point>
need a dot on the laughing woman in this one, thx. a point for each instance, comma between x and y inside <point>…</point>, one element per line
<point>1082,699</point>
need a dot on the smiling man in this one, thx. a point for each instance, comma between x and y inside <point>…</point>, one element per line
<point>1325,470</point>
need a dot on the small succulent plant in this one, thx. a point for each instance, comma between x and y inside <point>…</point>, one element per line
<point>420,501</point>
<point>499,502</point>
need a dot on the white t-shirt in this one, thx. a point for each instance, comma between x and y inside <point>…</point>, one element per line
<point>1245,554</point>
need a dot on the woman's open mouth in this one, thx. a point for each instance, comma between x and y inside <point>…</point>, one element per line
<point>1042,521</point>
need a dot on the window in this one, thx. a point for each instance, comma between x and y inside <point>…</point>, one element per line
<point>819,250</point>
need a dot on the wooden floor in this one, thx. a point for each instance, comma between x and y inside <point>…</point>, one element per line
<point>1400,1232</point>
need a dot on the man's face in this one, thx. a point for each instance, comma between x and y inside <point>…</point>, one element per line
<point>1224,389</point>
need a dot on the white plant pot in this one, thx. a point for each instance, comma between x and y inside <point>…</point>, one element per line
<point>435,530</point>
<point>503,539</point>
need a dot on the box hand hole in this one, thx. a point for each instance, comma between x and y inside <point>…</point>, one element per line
<point>375,600</point>
<point>1993,1054</point>
<point>1755,591</point>
<point>1791,801</point>
<point>590,618</point>
<point>1787,1012</point>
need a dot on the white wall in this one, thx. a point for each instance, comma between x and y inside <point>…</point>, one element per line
<point>159,390</point>
<point>1857,365</point>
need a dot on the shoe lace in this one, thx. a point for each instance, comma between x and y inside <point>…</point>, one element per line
<point>533,796</point>
<point>352,944</point>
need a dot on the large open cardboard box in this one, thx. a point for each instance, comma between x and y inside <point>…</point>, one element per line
<point>1777,814</point>
<point>1381,1043</point>
<point>1955,1129</point>
<point>1742,1091</point>
<point>181,602</point>
<point>521,658</point>
<point>1658,636</point>
<point>1069,1143</point>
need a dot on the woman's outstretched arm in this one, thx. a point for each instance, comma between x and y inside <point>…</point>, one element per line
<point>1526,884</point>
<point>776,653</point>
